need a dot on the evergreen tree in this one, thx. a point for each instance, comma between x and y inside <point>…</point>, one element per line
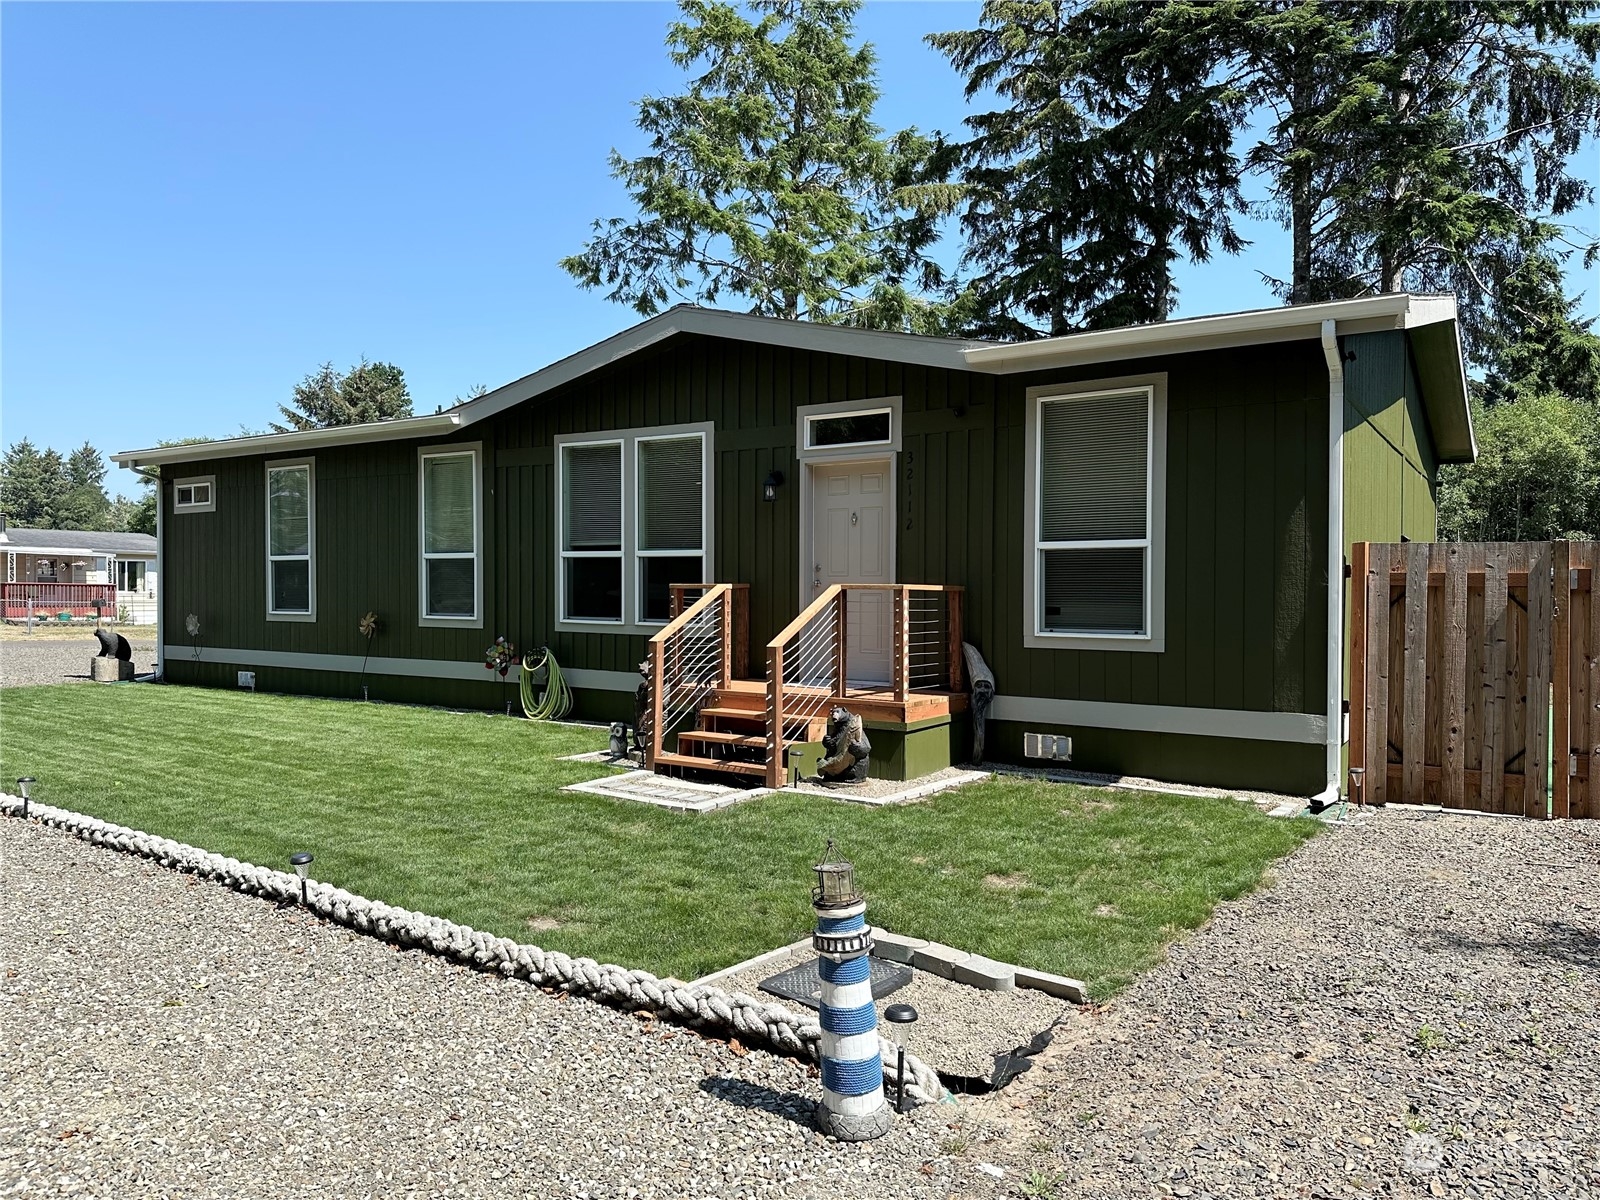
<point>1110,160</point>
<point>32,483</point>
<point>768,181</point>
<point>367,392</point>
<point>83,503</point>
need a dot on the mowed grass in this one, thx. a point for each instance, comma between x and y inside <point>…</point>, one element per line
<point>463,816</point>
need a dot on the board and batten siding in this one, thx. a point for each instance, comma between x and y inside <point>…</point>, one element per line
<point>1246,501</point>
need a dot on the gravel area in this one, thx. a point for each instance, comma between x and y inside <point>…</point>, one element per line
<point>1410,1011</point>
<point>888,790</point>
<point>51,660</point>
<point>960,1030</point>
<point>165,1036</point>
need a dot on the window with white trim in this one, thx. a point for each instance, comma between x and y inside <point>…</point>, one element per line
<point>194,495</point>
<point>291,536</point>
<point>632,507</point>
<point>130,574</point>
<point>451,535</point>
<point>1094,523</point>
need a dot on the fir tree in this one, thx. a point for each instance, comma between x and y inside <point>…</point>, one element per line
<point>370,391</point>
<point>766,181</point>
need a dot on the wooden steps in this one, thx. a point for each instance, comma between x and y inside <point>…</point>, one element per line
<point>744,741</point>
<point>691,762</point>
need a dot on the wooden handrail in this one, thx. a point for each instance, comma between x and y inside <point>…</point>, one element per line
<point>694,610</point>
<point>808,613</point>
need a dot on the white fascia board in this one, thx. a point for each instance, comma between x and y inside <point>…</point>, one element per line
<point>431,425</point>
<point>1287,323</point>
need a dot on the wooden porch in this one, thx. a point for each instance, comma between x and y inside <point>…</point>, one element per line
<point>707,713</point>
<point>47,600</point>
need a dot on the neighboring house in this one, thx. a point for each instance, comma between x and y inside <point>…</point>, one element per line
<point>79,571</point>
<point>1144,521</point>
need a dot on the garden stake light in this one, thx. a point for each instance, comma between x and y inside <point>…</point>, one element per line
<point>301,862</point>
<point>22,786</point>
<point>900,1018</point>
<point>853,1108</point>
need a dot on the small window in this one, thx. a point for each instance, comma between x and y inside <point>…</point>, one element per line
<point>451,534</point>
<point>872,427</point>
<point>591,523</point>
<point>194,495</point>
<point>130,575</point>
<point>291,530</point>
<point>1094,529</point>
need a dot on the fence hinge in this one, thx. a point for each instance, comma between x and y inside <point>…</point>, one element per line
<point>1345,708</point>
<point>1572,579</point>
<point>1348,572</point>
<point>1572,766</point>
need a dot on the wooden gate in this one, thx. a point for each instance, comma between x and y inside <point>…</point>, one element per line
<point>1475,676</point>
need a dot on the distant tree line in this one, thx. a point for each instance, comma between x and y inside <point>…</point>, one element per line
<point>1425,146</point>
<point>42,489</point>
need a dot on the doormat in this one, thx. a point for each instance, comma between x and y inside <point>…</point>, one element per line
<point>675,795</point>
<point>803,984</point>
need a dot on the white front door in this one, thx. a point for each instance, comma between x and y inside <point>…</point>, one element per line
<point>852,511</point>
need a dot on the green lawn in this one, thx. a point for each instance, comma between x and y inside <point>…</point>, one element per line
<point>462,816</point>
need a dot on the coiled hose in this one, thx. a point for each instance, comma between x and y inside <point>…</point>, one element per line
<point>557,699</point>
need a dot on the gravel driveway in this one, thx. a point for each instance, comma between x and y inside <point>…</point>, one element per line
<point>164,1036</point>
<point>1409,1011</point>
<point>51,660</point>
<point>1415,988</point>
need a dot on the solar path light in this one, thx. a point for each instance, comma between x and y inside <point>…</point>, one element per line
<point>301,862</point>
<point>853,1108</point>
<point>22,787</point>
<point>900,1018</point>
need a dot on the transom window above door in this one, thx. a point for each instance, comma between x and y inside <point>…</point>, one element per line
<point>634,510</point>
<point>848,429</point>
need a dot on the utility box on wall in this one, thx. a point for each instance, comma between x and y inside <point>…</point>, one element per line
<point>247,680</point>
<point>1056,746</point>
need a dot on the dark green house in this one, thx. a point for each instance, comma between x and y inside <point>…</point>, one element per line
<point>1135,528</point>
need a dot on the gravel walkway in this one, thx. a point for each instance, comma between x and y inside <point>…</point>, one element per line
<point>1411,1011</point>
<point>163,1036</point>
<point>23,663</point>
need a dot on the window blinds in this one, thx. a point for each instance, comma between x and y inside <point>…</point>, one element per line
<point>592,478</point>
<point>671,495</point>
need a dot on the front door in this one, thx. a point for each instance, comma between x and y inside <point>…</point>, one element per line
<point>852,512</point>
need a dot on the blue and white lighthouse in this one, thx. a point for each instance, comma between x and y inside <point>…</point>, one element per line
<point>853,1108</point>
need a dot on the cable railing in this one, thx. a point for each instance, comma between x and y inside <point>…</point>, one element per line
<point>689,660</point>
<point>808,664</point>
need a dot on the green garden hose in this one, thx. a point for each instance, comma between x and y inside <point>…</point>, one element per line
<point>557,699</point>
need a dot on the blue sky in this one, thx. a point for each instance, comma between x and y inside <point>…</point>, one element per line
<point>201,203</point>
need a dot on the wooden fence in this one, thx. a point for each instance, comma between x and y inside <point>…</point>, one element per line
<point>1475,676</point>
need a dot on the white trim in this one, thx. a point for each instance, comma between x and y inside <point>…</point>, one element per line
<point>807,538</point>
<point>1400,310</point>
<point>1154,637</point>
<point>806,413</point>
<point>209,482</point>
<point>310,556</point>
<point>307,439</point>
<point>451,450</point>
<point>418,668</point>
<point>631,620</point>
<point>1335,639</point>
<point>1162,718</point>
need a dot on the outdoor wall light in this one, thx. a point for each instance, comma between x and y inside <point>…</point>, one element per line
<point>22,787</point>
<point>769,489</point>
<point>836,882</point>
<point>900,1018</point>
<point>301,862</point>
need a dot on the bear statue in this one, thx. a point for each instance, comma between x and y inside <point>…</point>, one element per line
<point>846,746</point>
<point>113,645</point>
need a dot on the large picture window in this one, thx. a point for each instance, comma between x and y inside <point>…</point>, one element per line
<point>291,541</point>
<point>452,533</point>
<point>633,510</point>
<point>1095,459</point>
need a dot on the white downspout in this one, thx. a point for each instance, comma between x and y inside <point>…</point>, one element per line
<point>1335,709</point>
<point>161,574</point>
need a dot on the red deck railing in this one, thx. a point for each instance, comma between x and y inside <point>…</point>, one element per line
<point>49,599</point>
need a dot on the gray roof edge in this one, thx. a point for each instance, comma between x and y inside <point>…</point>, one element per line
<point>1441,369</point>
<point>92,540</point>
<point>884,345</point>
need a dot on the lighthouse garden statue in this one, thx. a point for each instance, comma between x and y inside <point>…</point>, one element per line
<point>853,1108</point>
